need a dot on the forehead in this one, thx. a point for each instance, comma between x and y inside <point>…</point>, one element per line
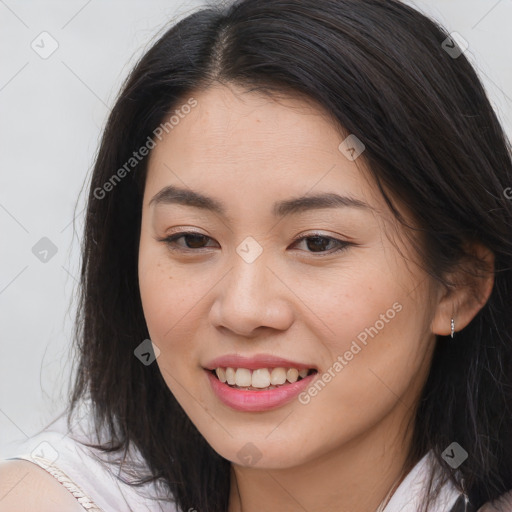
<point>242,123</point>
<point>245,144</point>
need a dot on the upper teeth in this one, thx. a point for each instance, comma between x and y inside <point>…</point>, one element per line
<point>260,378</point>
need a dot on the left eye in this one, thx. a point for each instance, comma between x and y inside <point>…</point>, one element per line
<point>315,244</point>
<point>319,244</point>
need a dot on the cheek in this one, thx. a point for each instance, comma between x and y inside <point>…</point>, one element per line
<point>372,333</point>
<point>175,306</point>
<point>164,298</point>
<point>167,302</point>
<point>352,303</point>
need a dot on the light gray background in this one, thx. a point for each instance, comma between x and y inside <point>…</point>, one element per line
<point>51,114</point>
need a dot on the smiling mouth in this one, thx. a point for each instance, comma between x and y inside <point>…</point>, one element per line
<point>280,376</point>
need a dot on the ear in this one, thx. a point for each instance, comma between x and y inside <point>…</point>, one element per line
<point>473,283</point>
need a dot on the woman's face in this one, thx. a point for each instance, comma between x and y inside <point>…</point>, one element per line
<point>343,300</point>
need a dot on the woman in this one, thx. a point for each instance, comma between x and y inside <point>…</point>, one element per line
<point>296,278</point>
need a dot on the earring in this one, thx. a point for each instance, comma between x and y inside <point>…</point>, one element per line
<point>452,327</point>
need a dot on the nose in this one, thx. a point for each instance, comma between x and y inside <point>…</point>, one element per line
<point>252,296</point>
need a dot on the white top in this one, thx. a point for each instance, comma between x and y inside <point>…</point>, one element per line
<point>98,490</point>
<point>94,485</point>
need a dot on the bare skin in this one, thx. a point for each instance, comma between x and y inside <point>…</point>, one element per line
<point>24,487</point>
<point>344,449</point>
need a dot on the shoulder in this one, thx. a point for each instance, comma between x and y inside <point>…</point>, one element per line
<point>50,466</point>
<point>25,486</point>
<point>62,461</point>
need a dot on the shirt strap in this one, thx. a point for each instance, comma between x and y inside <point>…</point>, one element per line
<point>85,501</point>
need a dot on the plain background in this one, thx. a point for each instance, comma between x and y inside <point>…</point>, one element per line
<point>52,111</point>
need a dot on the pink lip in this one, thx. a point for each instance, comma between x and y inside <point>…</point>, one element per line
<point>257,401</point>
<point>255,362</point>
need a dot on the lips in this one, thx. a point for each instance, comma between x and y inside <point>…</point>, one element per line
<point>261,400</point>
<point>268,398</point>
<point>256,362</point>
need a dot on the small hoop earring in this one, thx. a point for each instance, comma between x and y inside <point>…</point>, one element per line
<point>452,327</point>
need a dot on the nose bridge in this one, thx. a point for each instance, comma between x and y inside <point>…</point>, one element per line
<point>249,279</point>
<point>251,296</point>
<point>249,250</point>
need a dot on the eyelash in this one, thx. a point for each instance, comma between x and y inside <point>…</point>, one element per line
<point>170,240</point>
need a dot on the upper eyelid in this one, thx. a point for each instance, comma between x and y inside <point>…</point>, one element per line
<point>307,235</point>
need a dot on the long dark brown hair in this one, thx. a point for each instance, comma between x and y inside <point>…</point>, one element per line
<point>381,69</point>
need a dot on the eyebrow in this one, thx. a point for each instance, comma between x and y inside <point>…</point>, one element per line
<point>176,195</point>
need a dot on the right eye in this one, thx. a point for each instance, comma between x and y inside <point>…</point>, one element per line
<point>193,241</point>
